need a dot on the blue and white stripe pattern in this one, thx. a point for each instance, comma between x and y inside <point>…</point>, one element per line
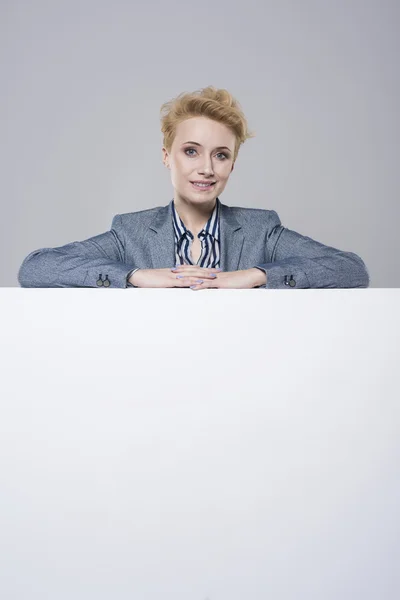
<point>209,237</point>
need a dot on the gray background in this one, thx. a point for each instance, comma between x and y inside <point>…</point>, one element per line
<point>82,86</point>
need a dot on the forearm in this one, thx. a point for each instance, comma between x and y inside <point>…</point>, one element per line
<point>95,262</point>
<point>297,261</point>
<point>339,270</point>
<point>49,267</point>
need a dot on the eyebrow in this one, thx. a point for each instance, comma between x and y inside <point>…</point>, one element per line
<point>217,148</point>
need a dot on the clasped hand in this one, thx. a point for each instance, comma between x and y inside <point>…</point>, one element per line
<point>198,278</point>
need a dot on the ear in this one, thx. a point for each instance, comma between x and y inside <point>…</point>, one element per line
<point>165,157</point>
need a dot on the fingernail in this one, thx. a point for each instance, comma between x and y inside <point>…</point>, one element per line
<point>199,281</point>
<point>213,275</point>
<point>179,276</point>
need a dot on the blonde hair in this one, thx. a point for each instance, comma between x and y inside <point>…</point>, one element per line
<point>216,104</point>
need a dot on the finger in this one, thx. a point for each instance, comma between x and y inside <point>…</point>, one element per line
<point>196,268</point>
<point>205,273</point>
<point>186,281</point>
<point>193,281</point>
<point>204,284</point>
<point>195,273</point>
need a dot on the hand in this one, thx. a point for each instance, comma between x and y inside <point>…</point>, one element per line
<point>167,278</point>
<point>245,279</point>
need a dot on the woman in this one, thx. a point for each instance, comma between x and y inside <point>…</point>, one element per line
<point>196,241</point>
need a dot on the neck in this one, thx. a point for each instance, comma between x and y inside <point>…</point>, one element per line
<point>194,216</point>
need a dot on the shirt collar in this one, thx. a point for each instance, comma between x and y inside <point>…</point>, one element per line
<point>211,227</point>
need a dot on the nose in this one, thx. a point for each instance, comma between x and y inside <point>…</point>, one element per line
<point>207,169</point>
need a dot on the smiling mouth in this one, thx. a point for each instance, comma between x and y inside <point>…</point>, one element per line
<point>203,186</point>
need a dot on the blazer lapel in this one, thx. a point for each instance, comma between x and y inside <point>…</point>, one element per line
<point>162,239</point>
<point>231,241</point>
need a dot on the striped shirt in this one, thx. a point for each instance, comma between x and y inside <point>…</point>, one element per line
<point>209,237</point>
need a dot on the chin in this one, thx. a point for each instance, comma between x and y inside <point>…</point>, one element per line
<point>210,198</point>
<point>199,198</point>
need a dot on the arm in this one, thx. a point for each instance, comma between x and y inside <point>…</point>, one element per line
<point>305,263</point>
<point>79,264</point>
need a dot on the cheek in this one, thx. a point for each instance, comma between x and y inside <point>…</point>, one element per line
<point>182,168</point>
<point>180,175</point>
<point>224,176</point>
<point>179,171</point>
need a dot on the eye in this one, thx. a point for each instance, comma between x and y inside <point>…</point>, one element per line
<point>219,153</point>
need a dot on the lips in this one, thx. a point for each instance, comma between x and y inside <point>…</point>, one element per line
<point>203,188</point>
<point>204,182</point>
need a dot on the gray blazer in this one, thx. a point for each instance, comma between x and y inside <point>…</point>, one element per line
<point>250,237</point>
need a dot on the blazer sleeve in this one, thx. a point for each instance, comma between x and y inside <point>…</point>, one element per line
<point>298,261</point>
<point>79,264</point>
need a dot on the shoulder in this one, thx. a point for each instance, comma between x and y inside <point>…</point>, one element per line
<point>141,214</point>
<point>252,216</point>
<point>138,217</point>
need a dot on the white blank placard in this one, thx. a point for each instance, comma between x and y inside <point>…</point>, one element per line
<point>219,445</point>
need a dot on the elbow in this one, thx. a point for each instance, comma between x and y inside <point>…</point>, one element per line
<point>26,272</point>
<point>22,277</point>
<point>29,272</point>
<point>359,271</point>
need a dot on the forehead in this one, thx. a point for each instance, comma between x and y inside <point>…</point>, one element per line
<point>204,131</point>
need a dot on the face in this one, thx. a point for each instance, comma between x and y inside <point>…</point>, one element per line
<point>201,151</point>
